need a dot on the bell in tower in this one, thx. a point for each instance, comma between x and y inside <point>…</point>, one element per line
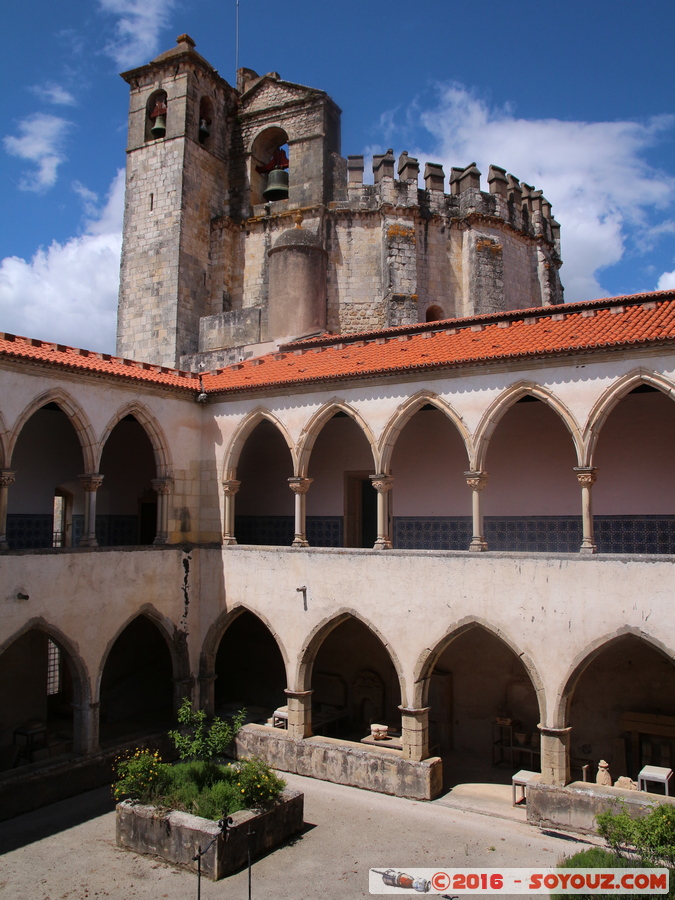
<point>277,176</point>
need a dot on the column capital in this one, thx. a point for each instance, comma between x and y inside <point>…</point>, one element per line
<point>298,695</point>
<point>6,477</point>
<point>231,486</point>
<point>382,483</point>
<point>162,485</point>
<point>299,485</point>
<point>476,480</point>
<point>91,482</point>
<point>549,731</point>
<point>586,475</point>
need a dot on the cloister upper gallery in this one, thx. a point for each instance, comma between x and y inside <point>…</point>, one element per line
<point>355,460</point>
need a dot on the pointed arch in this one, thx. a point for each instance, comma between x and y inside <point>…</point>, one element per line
<point>404,413</point>
<point>4,439</point>
<point>609,399</point>
<point>505,401</point>
<point>312,644</point>
<point>430,656</point>
<point>76,415</point>
<point>313,428</point>
<point>81,683</point>
<point>241,434</point>
<point>218,629</point>
<point>154,431</point>
<point>175,640</point>
<point>563,697</point>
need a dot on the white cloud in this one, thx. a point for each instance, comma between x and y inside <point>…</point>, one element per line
<point>54,93</point>
<point>138,29</point>
<point>666,282</point>
<point>68,292</point>
<point>603,191</point>
<point>40,141</point>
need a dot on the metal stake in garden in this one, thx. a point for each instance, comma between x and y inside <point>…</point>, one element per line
<point>223,824</point>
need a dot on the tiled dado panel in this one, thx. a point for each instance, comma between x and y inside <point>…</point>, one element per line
<point>322,531</point>
<point>557,534</point>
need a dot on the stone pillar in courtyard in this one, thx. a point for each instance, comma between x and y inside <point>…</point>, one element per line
<point>587,475</point>
<point>230,489</point>
<point>91,484</point>
<point>85,727</point>
<point>162,487</point>
<point>477,481</point>
<point>207,694</point>
<point>300,486</point>
<point>382,484</point>
<point>415,732</point>
<point>299,713</point>
<point>6,479</point>
<point>555,755</point>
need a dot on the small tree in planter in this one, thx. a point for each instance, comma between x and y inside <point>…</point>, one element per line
<point>196,741</point>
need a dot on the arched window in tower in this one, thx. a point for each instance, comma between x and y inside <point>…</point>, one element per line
<point>205,121</point>
<point>269,175</point>
<point>434,313</point>
<point>155,120</point>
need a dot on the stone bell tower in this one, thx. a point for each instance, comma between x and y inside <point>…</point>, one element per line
<point>177,182</point>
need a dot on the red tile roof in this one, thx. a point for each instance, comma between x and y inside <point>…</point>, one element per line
<point>92,363</point>
<point>567,329</point>
<point>564,330</point>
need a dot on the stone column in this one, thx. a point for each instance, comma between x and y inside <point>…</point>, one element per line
<point>6,478</point>
<point>415,733</point>
<point>182,687</point>
<point>586,475</point>
<point>382,484</point>
<point>299,713</point>
<point>207,693</point>
<point>162,487</point>
<point>555,755</point>
<point>91,484</point>
<point>230,488</point>
<point>477,481</point>
<point>300,486</point>
<point>85,727</point>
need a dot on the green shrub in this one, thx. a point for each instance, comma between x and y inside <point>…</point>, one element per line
<point>257,783</point>
<point>141,776</point>
<point>200,787</point>
<point>644,842</point>
<point>197,741</point>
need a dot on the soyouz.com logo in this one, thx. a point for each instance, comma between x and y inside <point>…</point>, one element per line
<point>518,881</point>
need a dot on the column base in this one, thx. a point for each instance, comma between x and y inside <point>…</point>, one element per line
<point>382,543</point>
<point>159,540</point>
<point>300,541</point>
<point>88,542</point>
<point>478,545</point>
<point>229,540</point>
<point>3,544</point>
<point>588,547</point>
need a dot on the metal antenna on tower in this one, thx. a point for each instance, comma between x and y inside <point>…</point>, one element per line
<point>236,45</point>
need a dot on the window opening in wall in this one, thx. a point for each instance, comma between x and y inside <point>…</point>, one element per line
<point>152,202</point>
<point>155,125</point>
<point>58,534</point>
<point>435,313</point>
<point>205,120</point>
<point>270,163</point>
<point>53,668</point>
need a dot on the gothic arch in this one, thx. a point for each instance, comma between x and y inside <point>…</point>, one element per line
<point>76,415</point>
<point>313,428</point>
<point>241,434</point>
<point>560,707</point>
<point>609,399</point>
<point>4,438</point>
<point>313,642</point>
<point>404,413</point>
<point>81,682</point>
<point>218,629</point>
<point>160,445</point>
<point>493,414</point>
<point>176,643</point>
<point>430,655</point>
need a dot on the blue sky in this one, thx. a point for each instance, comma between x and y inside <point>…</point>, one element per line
<point>574,97</point>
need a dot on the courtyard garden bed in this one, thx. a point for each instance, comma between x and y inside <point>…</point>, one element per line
<point>177,811</point>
